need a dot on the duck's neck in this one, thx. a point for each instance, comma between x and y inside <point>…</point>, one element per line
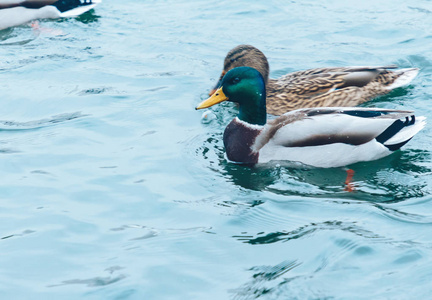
<point>254,113</point>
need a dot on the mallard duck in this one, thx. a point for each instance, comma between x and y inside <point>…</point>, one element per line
<point>338,86</point>
<point>319,137</point>
<point>15,13</point>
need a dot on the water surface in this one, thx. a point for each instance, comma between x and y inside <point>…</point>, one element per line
<point>112,188</point>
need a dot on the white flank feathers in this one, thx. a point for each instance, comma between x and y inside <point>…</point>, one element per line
<point>16,16</point>
<point>330,124</point>
<point>286,144</point>
<point>325,156</point>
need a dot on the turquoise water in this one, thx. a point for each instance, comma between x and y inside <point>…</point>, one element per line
<point>112,188</point>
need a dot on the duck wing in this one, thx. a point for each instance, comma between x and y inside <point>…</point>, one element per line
<point>354,126</point>
<point>317,71</point>
<point>310,83</point>
<point>326,137</point>
<point>330,87</point>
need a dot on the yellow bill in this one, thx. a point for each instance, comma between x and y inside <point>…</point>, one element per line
<point>216,98</point>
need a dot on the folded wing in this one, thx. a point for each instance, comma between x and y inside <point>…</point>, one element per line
<point>353,126</point>
<point>313,82</point>
<point>332,137</point>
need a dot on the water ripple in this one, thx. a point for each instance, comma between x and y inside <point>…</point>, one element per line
<point>264,280</point>
<point>404,216</point>
<point>41,123</point>
<point>307,230</point>
<point>92,282</point>
<point>138,201</point>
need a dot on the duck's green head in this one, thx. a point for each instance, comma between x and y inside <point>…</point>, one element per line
<point>245,86</point>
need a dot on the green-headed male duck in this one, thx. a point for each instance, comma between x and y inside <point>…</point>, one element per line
<point>320,137</point>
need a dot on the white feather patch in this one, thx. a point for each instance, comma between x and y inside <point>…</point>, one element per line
<point>340,124</point>
<point>248,125</point>
<point>325,156</point>
<point>407,132</point>
<point>335,154</point>
<point>407,75</point>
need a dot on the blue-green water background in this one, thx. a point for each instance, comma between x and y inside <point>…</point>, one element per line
<point>112,188</point>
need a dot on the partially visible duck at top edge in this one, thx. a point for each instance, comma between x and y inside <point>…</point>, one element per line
<point>320,137</point>
<point>321,87</point>
<point>15,13</point>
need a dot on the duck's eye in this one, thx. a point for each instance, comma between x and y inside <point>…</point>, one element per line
<point>235,80</point>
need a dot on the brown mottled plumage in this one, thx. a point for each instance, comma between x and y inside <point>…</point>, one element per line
<point>322,87</point>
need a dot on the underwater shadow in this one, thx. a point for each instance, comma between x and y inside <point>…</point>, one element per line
<point>264,281</point>
<point>13,37</point>
<point>88,17</point>
<point>395,178</point>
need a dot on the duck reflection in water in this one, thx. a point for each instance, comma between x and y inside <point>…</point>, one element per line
<point>380,179</point>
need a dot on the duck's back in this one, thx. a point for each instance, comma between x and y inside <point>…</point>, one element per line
<point>333,87</point>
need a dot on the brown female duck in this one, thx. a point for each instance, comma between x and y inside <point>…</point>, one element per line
<point>321,87</point>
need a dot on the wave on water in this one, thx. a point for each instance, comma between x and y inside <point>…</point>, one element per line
<point>41,123</point>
